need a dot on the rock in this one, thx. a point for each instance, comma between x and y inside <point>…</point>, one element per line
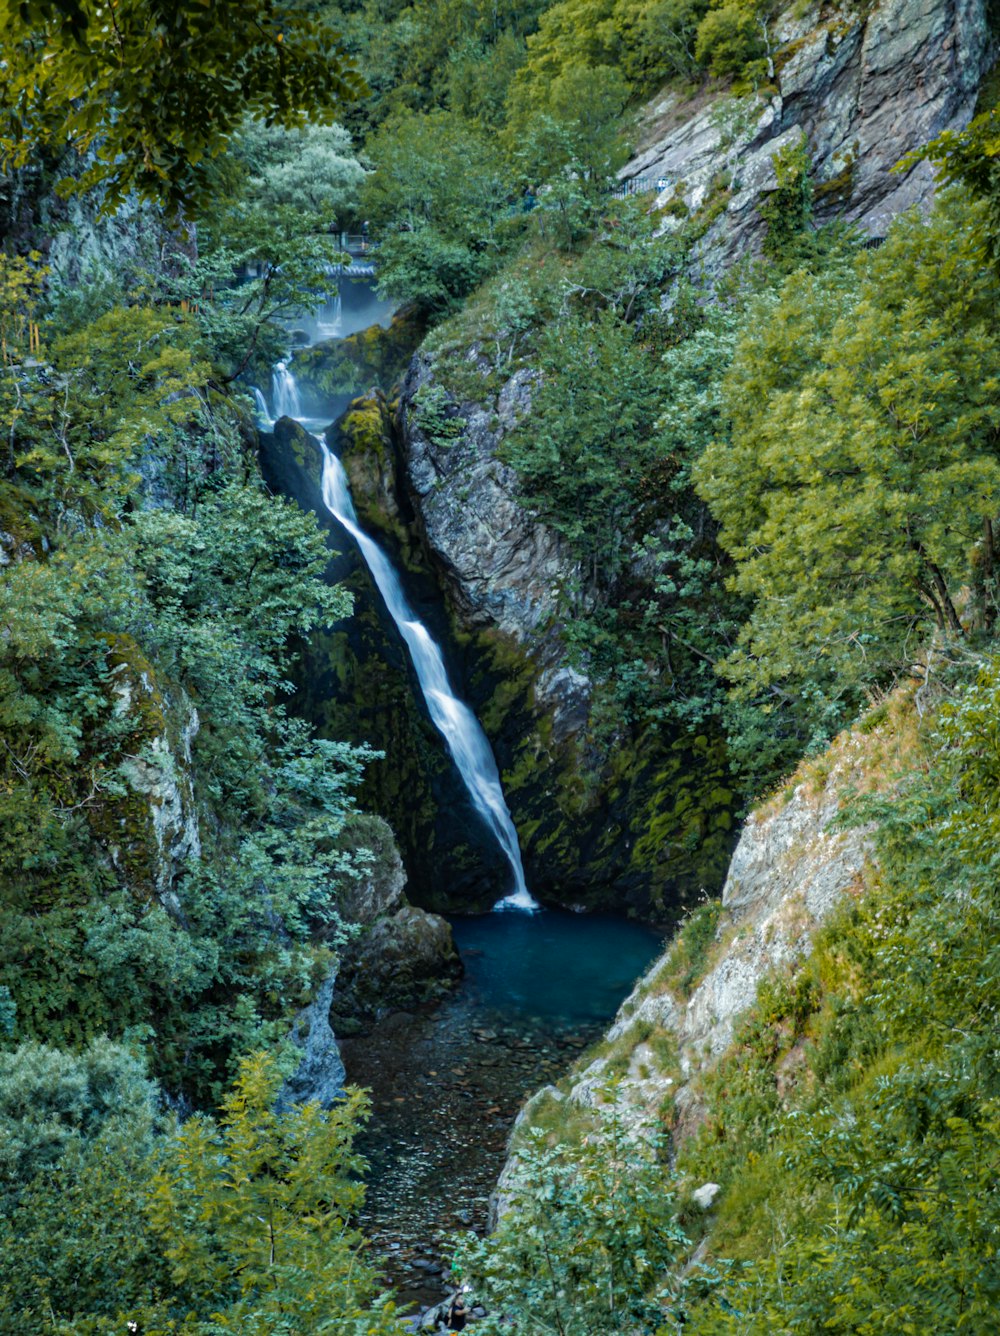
<point>151,833</point>
<point>402,959</point>
<point>297,446</point>
<point>704,1196</point>
<point>320,1074</point>
<point>503,567</point>
<point>863,89</point>
<point>376,356</point>
<point>363,439</point>
<point>379,890</point>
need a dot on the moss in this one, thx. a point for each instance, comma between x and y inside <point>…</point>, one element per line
<point>123,822</point>
<point>376,356</point>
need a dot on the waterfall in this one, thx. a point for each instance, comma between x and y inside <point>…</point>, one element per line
<point>284,392</point>
<point>260,404</point>
<point>453,719</point>
<point>328,320</point>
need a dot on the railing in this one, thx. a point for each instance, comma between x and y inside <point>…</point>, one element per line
<point>356,243</point>
<point>640,185</point>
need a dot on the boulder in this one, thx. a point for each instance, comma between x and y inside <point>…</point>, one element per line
<point>319,1077</point>
<point>400,961</point>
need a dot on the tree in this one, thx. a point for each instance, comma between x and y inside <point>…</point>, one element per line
<point>858,490</point>
<point>151,89</point>
<point>77,1134</point>
<point>254,1211</point>
<point>587,1238</point>
<point>582,455</point>
<point>120,620</point>
<point>567,147</point>
<point>436,198</point>
<point>313,170</point>
<point>970,157</point>
<point>50,1099</point>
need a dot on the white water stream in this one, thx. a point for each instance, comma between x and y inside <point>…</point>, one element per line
<point>284,393</point>
<point>461,730</point>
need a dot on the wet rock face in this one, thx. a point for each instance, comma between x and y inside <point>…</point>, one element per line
<point>862,90</point>
<point>503,567</point>
<point>319,1077</point>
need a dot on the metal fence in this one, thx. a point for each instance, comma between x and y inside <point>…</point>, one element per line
<point>641,185</point>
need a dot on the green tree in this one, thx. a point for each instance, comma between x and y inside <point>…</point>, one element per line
<point>50,1099</point>
<point>787,210</point>
<point>436,200</point>
<point>587,1239</point>
<point>77,1135</point>
<point>730,38</point>
<point>254,1212</point>
<point>122,619</point>
<point>590,438</point>
<point>567,148</point>
<point>152,90</point>
<point>971,157</point>
<point>859,486</point>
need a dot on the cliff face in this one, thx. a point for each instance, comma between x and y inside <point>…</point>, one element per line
<point>862,89</point>
<point>503,568</point>
<point>618,819</point>
<point>795,863</point>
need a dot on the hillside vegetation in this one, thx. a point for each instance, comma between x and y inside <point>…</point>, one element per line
<point>780,490</point>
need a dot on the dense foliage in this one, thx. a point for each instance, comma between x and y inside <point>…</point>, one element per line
<point>779,497</point>
<point>150,89</point>
<point>114,1215</point>
<point>587,1241</point>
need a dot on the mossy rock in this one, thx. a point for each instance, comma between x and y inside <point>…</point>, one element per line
<point>123,823</point>
<point>20,531</point>
<point>291,448</point>
<point>376,356</point>
<point>363,441</point>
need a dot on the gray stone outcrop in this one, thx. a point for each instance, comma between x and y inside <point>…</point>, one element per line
<point>503,567</point>
<point>320,1076</point>
<point>862,89</point>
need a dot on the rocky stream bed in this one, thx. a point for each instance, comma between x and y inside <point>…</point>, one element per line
<point>447,1080</point>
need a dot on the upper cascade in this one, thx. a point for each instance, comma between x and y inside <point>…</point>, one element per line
<point>285,392</point>
<point>453,719</point>
<point>461,730</point>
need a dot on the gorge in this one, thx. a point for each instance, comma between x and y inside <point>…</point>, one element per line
<point>499,668</point>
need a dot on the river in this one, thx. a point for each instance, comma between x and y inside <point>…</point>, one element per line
<point>447,1080</point>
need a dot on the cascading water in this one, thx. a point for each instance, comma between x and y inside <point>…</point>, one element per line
<point>284,392</point>
<point>329,318</point>
<point>453,719</point>
<point>260,404</point>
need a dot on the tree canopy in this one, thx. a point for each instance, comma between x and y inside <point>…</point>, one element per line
<point>857,488</point>
<point>151,89</point>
